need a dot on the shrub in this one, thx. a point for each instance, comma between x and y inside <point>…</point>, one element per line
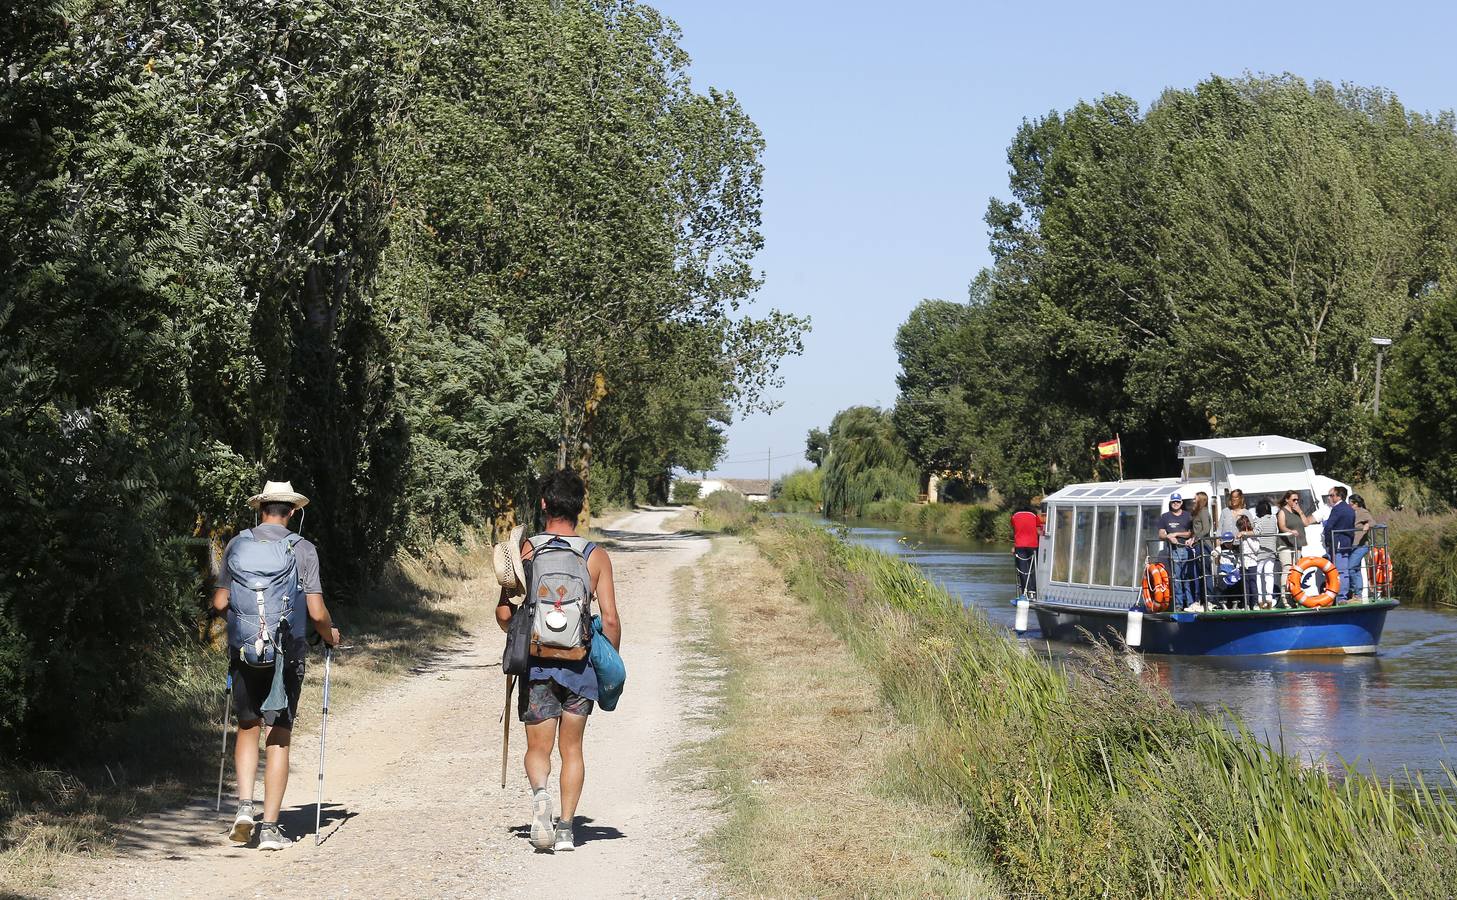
<point>686,492</point>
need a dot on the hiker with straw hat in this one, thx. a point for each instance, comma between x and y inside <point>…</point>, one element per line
<point>268,587</point>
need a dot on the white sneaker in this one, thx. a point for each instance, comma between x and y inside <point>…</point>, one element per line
<point>565,838</point>
<point>271,837</point>
<point>542,832</point>
<point>242,831</point>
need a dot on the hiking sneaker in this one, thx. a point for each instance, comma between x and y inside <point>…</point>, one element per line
<point>271,837</point>
<point>242,831</point>
<point>542,831</point>
<point>565,838</point>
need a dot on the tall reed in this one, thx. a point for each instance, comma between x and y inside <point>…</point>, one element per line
<point>1080,781</point>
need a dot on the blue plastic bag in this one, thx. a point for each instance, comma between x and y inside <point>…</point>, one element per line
<point>611,673</point>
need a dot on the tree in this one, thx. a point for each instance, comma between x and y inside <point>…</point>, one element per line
<point>1419,412</point>
<point>816,445</point>
<point>866,462</point>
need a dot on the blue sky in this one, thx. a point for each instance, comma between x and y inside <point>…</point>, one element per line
<point>887,129</point>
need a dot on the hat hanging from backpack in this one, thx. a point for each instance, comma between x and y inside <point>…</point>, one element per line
<point>278,492</point>
<point>506,558</point>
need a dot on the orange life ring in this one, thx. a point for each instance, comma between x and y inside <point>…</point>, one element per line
<point>1156,588</point>
<point>1296,581</point>
<point>1381,570</point>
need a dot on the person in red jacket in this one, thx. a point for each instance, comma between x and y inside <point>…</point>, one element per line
<point>1026,529</point>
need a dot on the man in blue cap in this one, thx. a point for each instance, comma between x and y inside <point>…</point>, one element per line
<point>1176,530</point>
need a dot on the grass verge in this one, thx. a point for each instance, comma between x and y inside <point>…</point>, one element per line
<point>168,750</point>
<point>1084,783</point>
<point>810,761</point>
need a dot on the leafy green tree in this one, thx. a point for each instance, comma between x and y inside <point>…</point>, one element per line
<point>816,445</point>
<point>1419,412</point>
<point>866,462</point>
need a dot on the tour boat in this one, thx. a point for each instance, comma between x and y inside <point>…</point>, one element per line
<point>1100,549</point>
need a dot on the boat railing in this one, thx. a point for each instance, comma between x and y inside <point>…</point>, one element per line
<point>1247,573</point>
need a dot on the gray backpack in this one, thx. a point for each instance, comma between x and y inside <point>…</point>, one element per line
<point>265,605</point>
<point>559,588</point>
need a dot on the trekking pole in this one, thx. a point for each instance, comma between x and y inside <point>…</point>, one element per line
<point>323,735</point>
<point>223,754</point>
<point>506,727</point>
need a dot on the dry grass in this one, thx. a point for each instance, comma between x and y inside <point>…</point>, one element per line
<point>808,757</point>
<point>167,751</point>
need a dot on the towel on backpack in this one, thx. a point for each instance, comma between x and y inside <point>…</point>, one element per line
<point>607,663</point>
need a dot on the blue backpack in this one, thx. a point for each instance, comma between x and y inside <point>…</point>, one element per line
<point>266,612</point>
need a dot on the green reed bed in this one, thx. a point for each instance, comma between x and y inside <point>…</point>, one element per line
<point>1080,781</point>
<point>977,521</point>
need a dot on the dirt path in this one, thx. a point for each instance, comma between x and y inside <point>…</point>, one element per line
<point>414,807</point>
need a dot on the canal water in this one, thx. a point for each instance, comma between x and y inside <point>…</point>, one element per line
<point>1391,714</point>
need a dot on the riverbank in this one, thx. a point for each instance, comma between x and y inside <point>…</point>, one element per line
<point>977,521</point>
<point>811,764</point>
<point>1093,785</point>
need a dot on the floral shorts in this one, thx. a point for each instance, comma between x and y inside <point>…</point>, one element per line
<point>538,701</point>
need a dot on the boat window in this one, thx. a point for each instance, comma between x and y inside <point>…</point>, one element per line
<point>1149,543</point>
<point>1149,491</point>
<point>1103,545</point>
<point>1078,492</point>
<point>1199,471</point>
<point>1125,559</point>
<point>1082,545</point>
<point>1062,541</point>
<point>1123,492</point>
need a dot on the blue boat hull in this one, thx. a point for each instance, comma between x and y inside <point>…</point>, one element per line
<point>1348,629</point>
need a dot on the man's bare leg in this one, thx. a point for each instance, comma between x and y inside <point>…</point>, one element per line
<point>275,771</point>
<point>574,771</point>
<point>245,758</point>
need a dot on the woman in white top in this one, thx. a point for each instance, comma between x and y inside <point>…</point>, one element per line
<point>1267,532</point>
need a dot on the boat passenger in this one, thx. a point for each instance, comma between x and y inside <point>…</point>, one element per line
<point>1176,533</point>
<point>1292,521</point>
<point>1362,544</point>
<point>1228,580</point>
<point>1025,531</point>
<point>1340,529</point>
<point>1267,530</point>
<point>1203,528</point>
<point>1229,516</point>
<point>1249,556</point>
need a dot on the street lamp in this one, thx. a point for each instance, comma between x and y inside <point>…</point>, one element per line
<point>1381,344</point>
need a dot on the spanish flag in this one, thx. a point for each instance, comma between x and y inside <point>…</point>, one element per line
<point>1110,449</point>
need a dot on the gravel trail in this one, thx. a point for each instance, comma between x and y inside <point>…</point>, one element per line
<point>413,804</point>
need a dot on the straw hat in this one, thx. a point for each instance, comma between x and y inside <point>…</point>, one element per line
<point>278,492</point>
<point>506,558</point>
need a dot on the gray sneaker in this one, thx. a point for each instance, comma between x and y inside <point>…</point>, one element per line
<point>566,839</point>
<point>542,832</point>
<point>271,837</point>
<point>242,831</point>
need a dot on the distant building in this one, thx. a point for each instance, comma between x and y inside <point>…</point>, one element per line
<point>755,490</point>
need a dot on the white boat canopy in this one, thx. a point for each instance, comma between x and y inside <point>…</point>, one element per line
<point>1143,490</point>
<point>1246,447</point>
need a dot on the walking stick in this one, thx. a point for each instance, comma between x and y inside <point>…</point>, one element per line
<point>223,753</point>
<point>323,735</point>
<point>506,727</point>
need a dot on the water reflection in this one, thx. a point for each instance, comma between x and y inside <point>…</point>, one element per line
<point>1386,713</point>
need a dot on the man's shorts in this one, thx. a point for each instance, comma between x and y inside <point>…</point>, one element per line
<point>538,701</point>
<point>252,684</point>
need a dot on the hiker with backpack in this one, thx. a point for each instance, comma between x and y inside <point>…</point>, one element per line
<point>268,586</point>
<point>549,646</point>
